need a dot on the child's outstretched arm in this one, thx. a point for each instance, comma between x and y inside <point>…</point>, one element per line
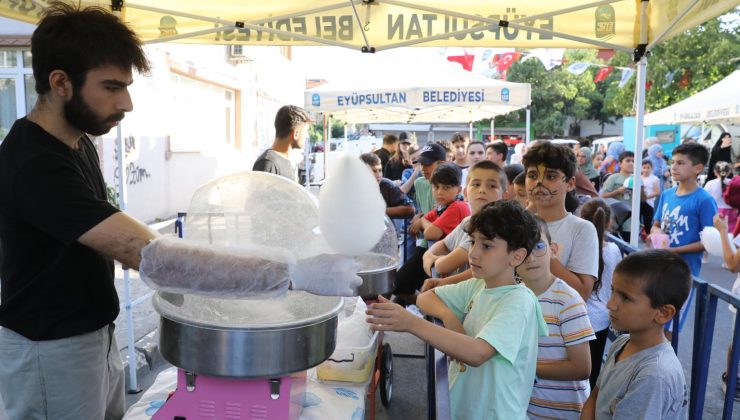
<point>387,316</point>
<point>576,368</point>
<point>732,259</point>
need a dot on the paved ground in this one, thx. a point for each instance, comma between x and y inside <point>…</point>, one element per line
<point>409,391</point>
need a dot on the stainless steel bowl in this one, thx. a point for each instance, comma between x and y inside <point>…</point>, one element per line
<point>378,273</point>
<point>247,338</point>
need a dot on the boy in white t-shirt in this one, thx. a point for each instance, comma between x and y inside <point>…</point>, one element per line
<point>650,182</point>
<point>549,175</point>
<point>563,356</point>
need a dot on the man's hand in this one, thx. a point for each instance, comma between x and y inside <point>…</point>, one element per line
<point>430,284</point>
<point>388,316</point>
<point>327,274</point>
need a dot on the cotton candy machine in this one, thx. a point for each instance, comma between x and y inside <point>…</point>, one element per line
<point>247,357</point>
<point>243,358</point>
<point>378,267</point>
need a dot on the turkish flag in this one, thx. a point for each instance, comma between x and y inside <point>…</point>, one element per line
<point>505,60</point>
<point>466,61</point>
<point>603,73</point>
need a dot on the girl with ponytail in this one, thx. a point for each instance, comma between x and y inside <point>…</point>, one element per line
<point>599,213</point>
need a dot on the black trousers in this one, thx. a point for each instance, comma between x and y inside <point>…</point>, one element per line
<point>597,353</point>
<point>411,275</point>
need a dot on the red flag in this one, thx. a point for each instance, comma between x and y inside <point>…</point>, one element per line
<point>505,60</point>
<point>684,82</point>
<point>466,61</point>
<point>603,73</point>
<point>605,55</point>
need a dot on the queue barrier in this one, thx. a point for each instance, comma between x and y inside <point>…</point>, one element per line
<point>707,297</point>
<point>438,395</point>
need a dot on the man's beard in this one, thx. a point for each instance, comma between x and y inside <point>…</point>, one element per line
<point>79,114</point>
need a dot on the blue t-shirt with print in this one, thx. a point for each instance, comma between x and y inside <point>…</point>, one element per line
<point>682,217</point>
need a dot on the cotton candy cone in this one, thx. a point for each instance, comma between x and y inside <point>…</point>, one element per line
<point>351,209</point>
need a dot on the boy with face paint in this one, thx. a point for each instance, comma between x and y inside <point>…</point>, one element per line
<point>549,175</point>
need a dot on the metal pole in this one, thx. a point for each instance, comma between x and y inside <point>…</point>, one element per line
<point>490,139</point>
<point>526,134</point>
<point>344,146</point>
<point>327,145</point>
<point>639,131</point>
<point>470,130</point>
<point>325,117</point>
<point>133,386</point>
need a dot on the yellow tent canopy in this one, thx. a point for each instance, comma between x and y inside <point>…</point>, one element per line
<point>375,25</point>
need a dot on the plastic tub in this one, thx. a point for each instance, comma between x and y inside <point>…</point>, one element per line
<point>351,364</point>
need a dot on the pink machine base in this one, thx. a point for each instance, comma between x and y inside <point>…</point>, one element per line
<point>209,397</point>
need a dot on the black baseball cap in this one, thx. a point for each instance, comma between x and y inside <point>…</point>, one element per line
<point>431,153</point>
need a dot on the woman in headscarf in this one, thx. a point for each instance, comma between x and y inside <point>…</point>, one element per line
<point>611,161</point>
<point>586,166</point>
<point>518,154</point>
<point>722,151</point>
<point>660,167</point>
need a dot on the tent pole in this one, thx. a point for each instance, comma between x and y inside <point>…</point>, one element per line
<point>327,125</point>
<point>490,139</point>
<point>344,146</point>
<point>639,128</point>
<point>528,125</point>
<point>470,130</point>
<point>131,350</point>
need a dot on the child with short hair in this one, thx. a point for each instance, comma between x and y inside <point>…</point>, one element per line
<point>642,377</point>
<point>616,188</point>
<point>520,191</point>
<point>486,184</point>
<point>549,176</point>
<point>563,356</point>
<point>685,210</point>
<point>476,152</point>
<point>450,210</point>
<point>459,147</point>
<point>492,323</point>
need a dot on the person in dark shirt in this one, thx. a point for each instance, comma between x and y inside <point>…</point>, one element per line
<point>396,202</point>
<point>59,235</point>
<point>291,131</point>
<point>390,144</point>
<point>400,160</point>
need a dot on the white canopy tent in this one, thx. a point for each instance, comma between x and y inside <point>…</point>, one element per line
<point>719,103</point>
<point>410,92</point>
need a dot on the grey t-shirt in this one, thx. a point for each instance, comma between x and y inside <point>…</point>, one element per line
<point>272,162</point>
<point>647,385</point>
<point>458,237</point>
<point>578,244</point>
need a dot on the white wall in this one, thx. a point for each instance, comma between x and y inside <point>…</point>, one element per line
<point>161,182</point>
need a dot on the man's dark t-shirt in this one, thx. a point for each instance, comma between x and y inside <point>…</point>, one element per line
<point>384,156</point>
<point>270,161</point>
<point>52,286</point>
<point>392,194</point>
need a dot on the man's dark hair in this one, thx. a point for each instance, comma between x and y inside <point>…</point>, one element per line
<point>79,40</point>
<point>553,156</point>
<point>290,117</point>
<point>508,221</point>
<point>626,154</point>
<point>490,166</point>
<point>696,153</point>
<point>446,174</point>
<point>389,139</point>
<point>458,137</point>
<point>499,147</point>
<point>665,276</point>
<point>370,159</point>
<point>542,225</point>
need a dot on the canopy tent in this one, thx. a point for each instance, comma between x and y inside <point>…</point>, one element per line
<point>719,103</point>
<point>374,25</point>
<point>382,24</point>
<point>402,91</point>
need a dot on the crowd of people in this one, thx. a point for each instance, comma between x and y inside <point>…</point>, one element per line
<point>528,286</point>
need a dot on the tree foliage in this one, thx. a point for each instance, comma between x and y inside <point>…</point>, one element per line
<point>698,58</point>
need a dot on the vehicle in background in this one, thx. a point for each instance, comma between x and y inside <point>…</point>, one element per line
<point>602,145</point>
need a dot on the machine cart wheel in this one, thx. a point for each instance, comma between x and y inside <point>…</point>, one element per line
<point>386,374</point>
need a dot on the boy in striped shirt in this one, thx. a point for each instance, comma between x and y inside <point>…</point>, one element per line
<point>563,356</point>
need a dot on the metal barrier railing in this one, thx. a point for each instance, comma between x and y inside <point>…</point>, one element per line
<point>438,397</point>
<point>707,298</point>
<point>405,235</point>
